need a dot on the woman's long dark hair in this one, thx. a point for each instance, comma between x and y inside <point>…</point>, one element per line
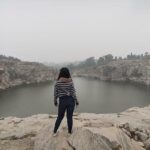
<point>64,72</point>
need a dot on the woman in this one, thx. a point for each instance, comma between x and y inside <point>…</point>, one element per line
<point>65,91</point>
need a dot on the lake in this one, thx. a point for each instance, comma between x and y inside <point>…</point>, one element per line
<point>94,96</point>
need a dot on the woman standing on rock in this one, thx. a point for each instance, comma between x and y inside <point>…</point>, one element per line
<point>65,91</point>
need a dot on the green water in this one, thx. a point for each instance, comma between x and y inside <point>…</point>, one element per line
<point>94,96</point>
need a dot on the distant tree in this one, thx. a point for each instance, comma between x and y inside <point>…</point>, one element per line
<point>133,56</point>
<point>146,55</point>
<point>101,61</point>
<point>141,56</point>
<point>70,66</point>
<point>3,57</point>
<point>90,61</point>
<point>108,58</point>
<point>120,58</point>
<point>115,58</point>
<point>138,56</point>
<point>81,64</point>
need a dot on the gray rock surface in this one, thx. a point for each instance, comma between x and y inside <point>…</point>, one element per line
<point>15,72</point>
<point>127,131</point>
<point>137,71</point>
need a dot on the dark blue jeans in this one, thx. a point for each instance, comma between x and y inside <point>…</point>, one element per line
<point>66,103</point>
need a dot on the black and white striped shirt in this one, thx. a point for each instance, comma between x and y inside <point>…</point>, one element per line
<point>63,88</point>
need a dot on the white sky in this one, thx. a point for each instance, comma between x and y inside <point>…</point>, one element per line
<point>70,30</point>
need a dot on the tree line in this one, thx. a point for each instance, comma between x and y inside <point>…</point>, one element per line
<point>92,62</point>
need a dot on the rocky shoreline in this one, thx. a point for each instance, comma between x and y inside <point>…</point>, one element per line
<point>14,72</point>
<point>133,71</point>
<point>128,130</point>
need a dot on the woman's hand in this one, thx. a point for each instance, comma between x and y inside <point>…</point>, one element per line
<point>55,103</point>
<point>77,102</point>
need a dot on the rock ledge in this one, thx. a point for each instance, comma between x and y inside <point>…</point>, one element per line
<point>128,130</point>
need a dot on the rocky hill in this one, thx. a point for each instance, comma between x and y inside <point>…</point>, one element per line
<point>137,71</point>
<point>128,130</point>
<point>15,72</point>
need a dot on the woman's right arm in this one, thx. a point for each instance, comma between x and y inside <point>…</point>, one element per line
<point>55,94</point>
<point>74,94</point>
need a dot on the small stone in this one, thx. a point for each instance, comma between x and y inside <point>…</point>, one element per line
<point>147,144</point>
<point>141,136</point>
<point>126,126</point>
<point>148,133</point>
<point>116,145</point>
<point>136,138</point>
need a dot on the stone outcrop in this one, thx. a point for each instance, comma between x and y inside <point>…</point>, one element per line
<point>137,71</point>
<point>15,72</point>
<point>128,130</point>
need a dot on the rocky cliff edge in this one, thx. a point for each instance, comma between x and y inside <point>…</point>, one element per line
<point>128,130</point>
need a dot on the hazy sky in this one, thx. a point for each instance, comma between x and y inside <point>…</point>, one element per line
<point>69,30</point>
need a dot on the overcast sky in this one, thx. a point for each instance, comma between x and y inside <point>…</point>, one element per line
<point>70,30</point>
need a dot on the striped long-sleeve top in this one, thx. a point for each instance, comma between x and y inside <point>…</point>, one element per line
<point>64,87</point>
